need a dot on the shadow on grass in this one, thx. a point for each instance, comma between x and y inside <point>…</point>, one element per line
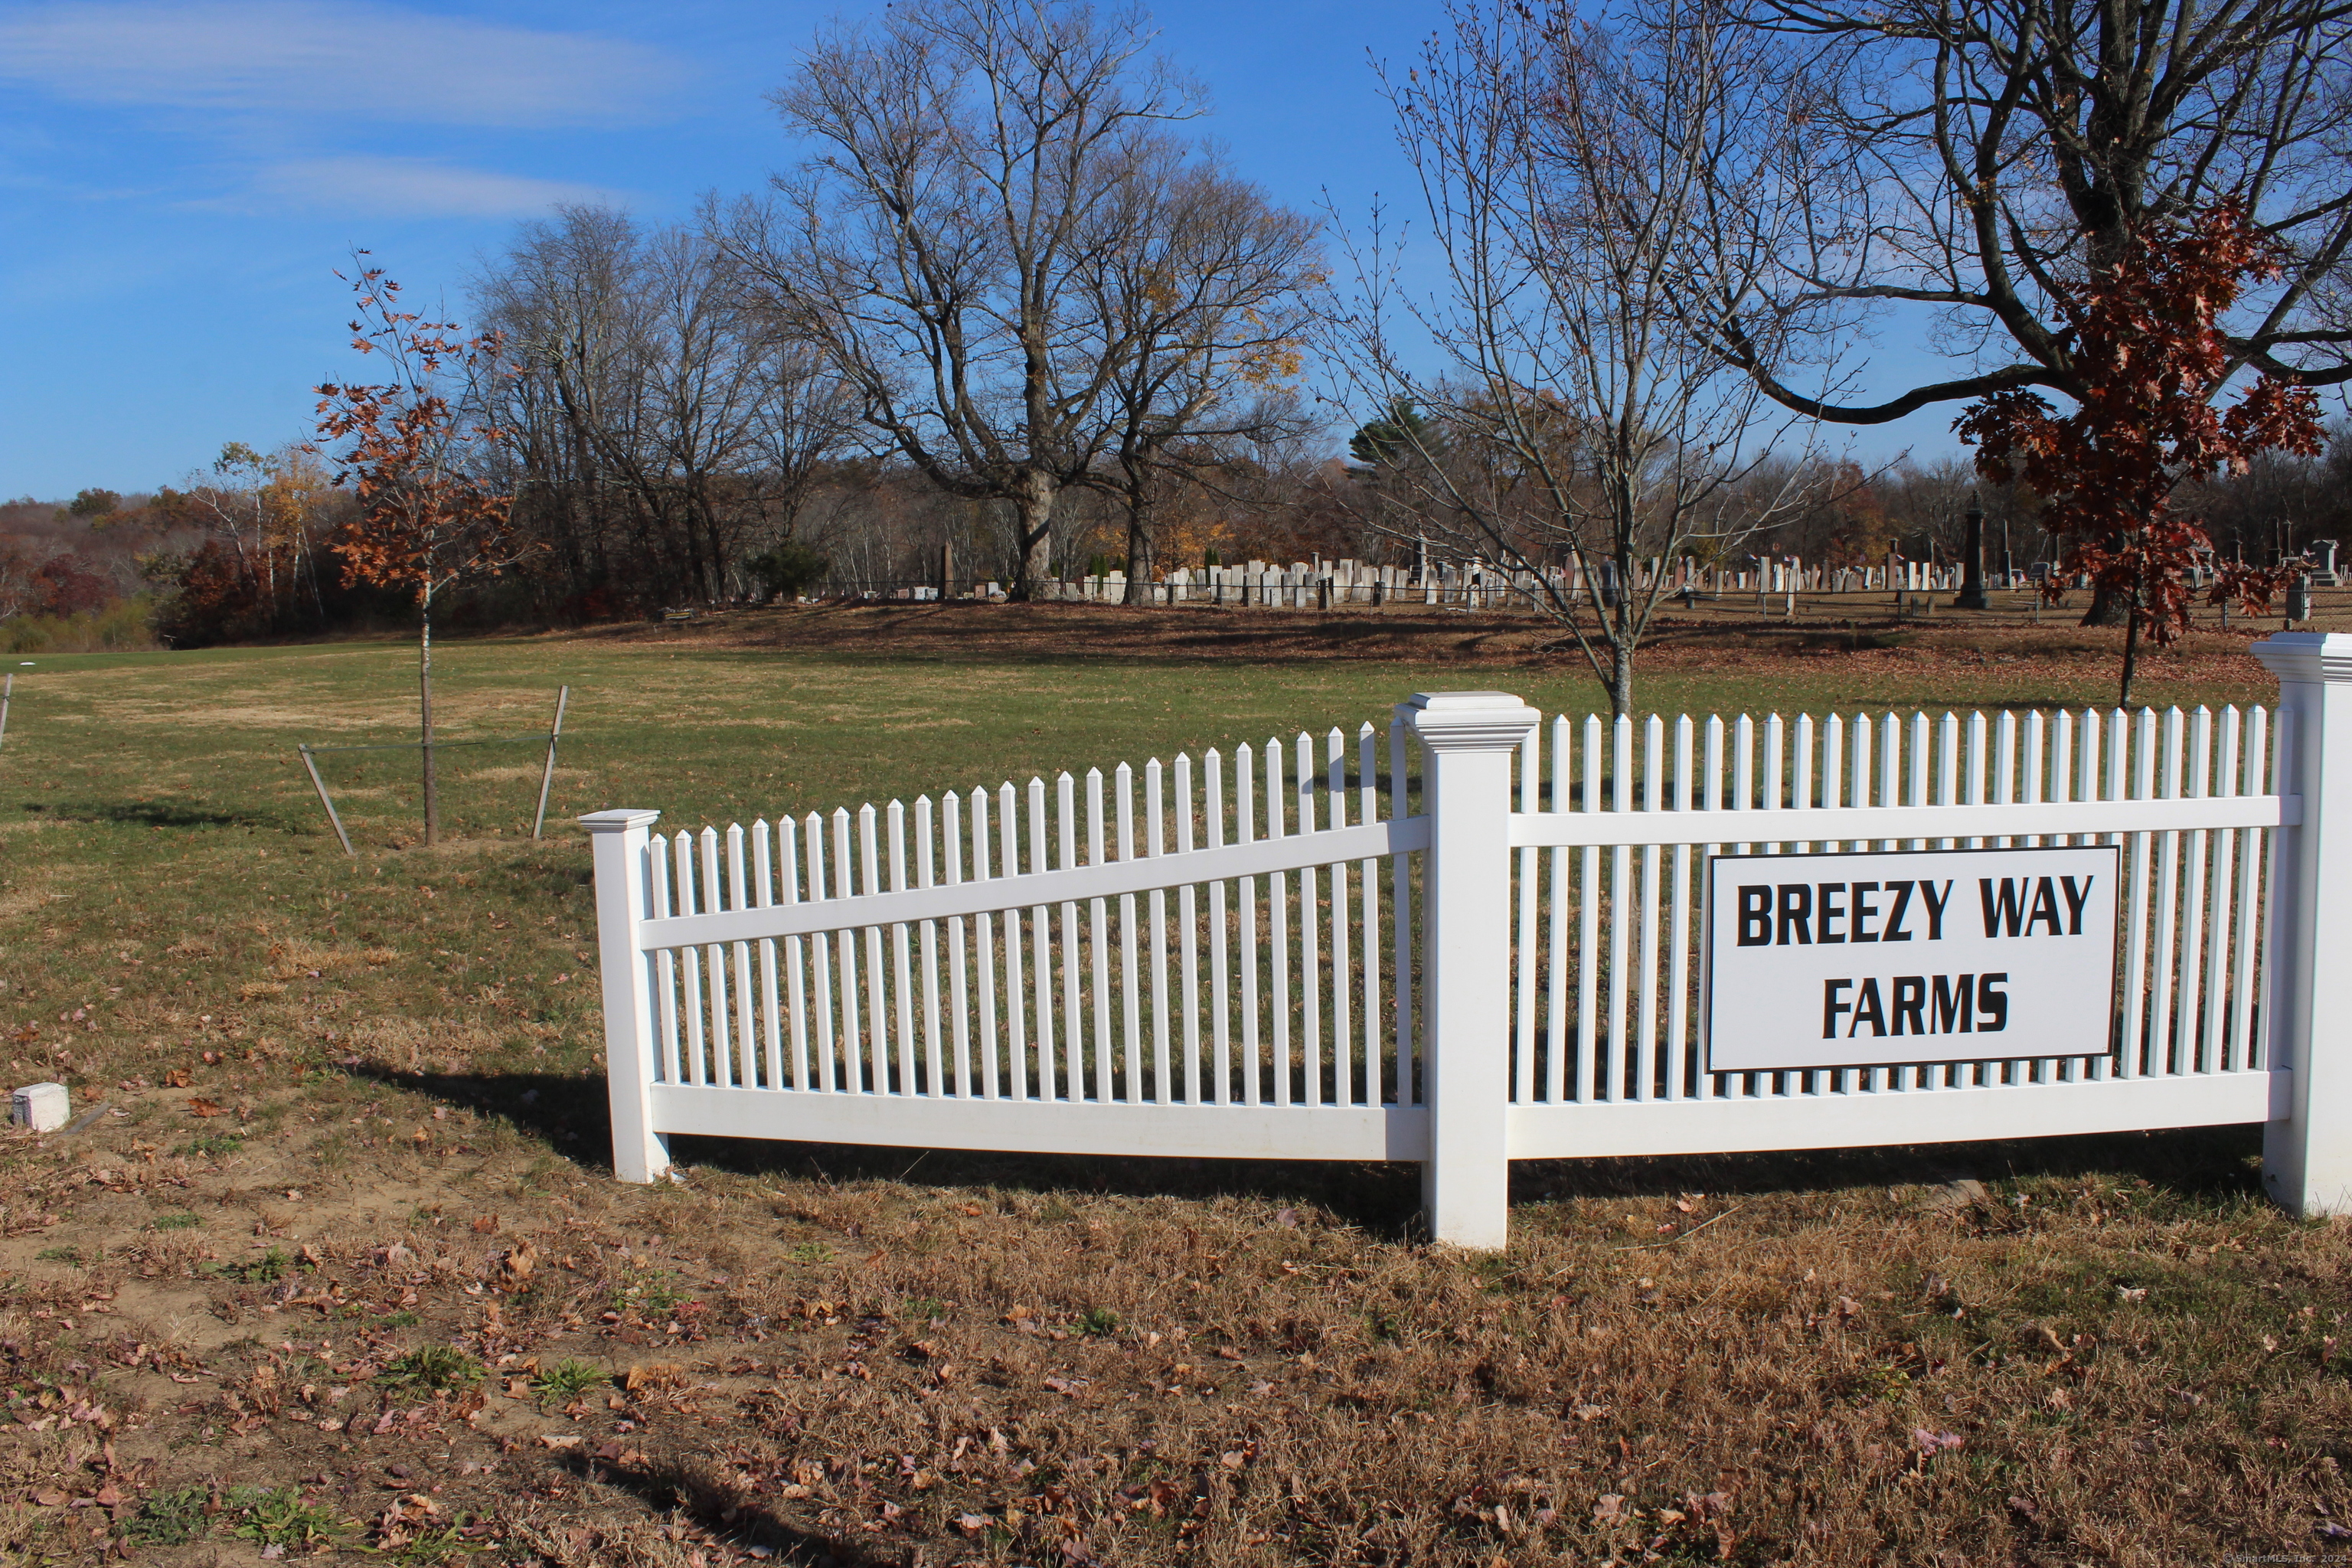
<point>2210,1167</point>
<point>157,813</point>
<point>665,1481</point>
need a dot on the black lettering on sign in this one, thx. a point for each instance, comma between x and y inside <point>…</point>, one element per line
<point>2046,908</point>
<point>1936,902</point>
<point>1868,1009</point>
<point>1755,917</point>
<point>2006,910</point>
<point>1924,1004</point>
<point>2027,906</point>
<point>1894,932</point>
<point>1992,1002</point>
<point>1911,1003</point>
<point>1796,913</point>
<point>1865,907</point>
<point>1831,1006</point>
<point>1828,911</point>
<point>1952,1010</point>
<point>2075,900</point>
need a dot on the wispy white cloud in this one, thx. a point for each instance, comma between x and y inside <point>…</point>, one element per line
<point>414,187</point>
<point>336,61</point>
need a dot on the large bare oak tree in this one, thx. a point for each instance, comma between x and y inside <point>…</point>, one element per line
<point>972,162</point>
<point>1972,158</point>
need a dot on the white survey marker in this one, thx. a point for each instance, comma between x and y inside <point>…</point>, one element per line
<point>1837,961</point>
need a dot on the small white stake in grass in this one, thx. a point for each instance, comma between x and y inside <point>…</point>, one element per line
<point>41,1107</point>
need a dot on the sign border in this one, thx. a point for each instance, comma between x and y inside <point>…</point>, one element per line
<point>1706,954</point>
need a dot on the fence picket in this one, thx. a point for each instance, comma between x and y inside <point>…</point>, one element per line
<point>2212,1036</point>
<point>902,979</point>
<point>1129,980</point>
<point>1016,992</point>
<point>1646,1042</point>
<point>1188,936</point>
<point>2261,771</point>
<point>1066,857</point>
<point>1221,1027</point>
<point>927,876</point>
<point>1277,909</point>
<point>984,930</point>
<point>1245,832</point>
<point>1368,810</point>
<point>1154,846</point>
<point>1041,945</point>
<point>2188,1020</point>
<point>764,882</point>
<point>959,1019</point>
<point>746,1066</point>
<point>690,961</point>
<point>1523,967</point>
<point>708,896</point>
<point>1098,944</point>
<point>1343,1015</point>
<point>1310,948</point>
<point>1591,1075</point>
<point>666,966</point>
<point>1615,1047</point>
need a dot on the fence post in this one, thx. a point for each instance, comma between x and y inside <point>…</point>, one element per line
<point>2307,1156</point>
<point>619,840</point>
<point>1470,740</point>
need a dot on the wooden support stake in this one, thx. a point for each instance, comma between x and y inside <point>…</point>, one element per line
<point>7,689</point>
<point>547,776</point>
<point>326,800</point>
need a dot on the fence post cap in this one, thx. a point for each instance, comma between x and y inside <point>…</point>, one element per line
<point>1468,720</point>
<point>619,820</point>
<point>2306,655</point>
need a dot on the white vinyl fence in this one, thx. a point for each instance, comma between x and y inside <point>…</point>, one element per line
<point>1318,950</point>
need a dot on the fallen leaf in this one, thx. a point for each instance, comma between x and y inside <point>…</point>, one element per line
<point>514,1272</point>
<point>653,1374</point>
<point>206,1108</point>
<point>560,1439</point>
<point>177,1078</point>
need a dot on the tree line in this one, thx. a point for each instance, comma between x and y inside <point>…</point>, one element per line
<point>1011,316</point>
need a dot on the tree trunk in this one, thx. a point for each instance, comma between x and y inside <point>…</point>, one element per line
<point>1139,551</point>
<point>1034,499</point>
<point>2131,648</point>
<point>424,710</point>
<point>1620,678</point>
<point>2108,608</point>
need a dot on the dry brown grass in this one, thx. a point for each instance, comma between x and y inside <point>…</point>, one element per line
<point>2112,1354</point>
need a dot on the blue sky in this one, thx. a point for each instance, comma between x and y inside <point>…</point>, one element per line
<point>178,182</point>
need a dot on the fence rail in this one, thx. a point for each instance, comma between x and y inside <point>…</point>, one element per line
<point>1319,949</point>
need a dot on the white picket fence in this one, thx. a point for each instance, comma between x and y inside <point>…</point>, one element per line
<point>1316,950</point>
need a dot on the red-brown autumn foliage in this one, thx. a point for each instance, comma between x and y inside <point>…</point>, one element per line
<point>418,456</point>
<point>2150,362</point>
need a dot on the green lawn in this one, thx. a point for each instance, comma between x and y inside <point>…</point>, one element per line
<point>361,1113</point>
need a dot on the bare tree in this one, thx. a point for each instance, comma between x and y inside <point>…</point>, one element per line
<point>1971,157</point>
<point>975,157</point>
<point>1206,281</point>
<point>1572,174</point>
<point>648,376</point>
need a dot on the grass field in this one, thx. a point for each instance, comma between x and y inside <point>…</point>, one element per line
<point>341,1268</point>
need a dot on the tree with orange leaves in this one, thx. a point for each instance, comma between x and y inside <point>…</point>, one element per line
<point>419,458</point>
<point>2148,349</point>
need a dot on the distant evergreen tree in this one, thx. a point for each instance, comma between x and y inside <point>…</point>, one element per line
<point>1404,436</point>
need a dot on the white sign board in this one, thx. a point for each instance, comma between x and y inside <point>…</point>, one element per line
<point>1834,960</point>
